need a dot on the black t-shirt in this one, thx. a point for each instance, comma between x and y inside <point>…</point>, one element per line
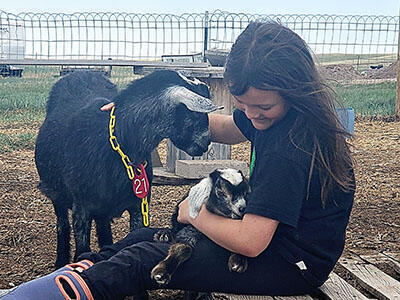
<point>308,235</point>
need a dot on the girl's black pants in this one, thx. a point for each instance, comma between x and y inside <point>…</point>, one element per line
<point>123,269</point>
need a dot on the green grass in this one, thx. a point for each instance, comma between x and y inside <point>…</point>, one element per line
<point>24,93</point>
<point>23,101</point>
<point>369,99</point>
<point>360,60</point>
<point>11,142</point>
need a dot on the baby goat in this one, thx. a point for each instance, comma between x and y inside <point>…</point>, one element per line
<point>224,193</point>
<point>78,167</point>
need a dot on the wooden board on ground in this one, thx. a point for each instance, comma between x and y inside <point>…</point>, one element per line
<point>372,279</point>
<point>246,297</point>
<point>336,288</point>
<point>255,297</point>
<point>393,261</point>
<point>306,297</point>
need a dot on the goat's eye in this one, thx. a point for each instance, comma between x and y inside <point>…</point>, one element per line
<point>220,193</point>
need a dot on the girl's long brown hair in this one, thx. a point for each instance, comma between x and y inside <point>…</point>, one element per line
<point>269,56</point>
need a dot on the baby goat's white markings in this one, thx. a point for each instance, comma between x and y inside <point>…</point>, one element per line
<point>241,201</point>
<point>198,195</point>
<point>231,175</point>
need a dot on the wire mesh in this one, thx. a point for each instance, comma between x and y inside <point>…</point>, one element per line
<point>333,38</point>
<point>359,40</point>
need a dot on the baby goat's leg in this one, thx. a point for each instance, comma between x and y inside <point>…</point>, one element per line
<point>237,263</point>
<point>177,254</point>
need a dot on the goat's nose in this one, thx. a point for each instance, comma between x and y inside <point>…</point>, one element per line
<point>206,138</point>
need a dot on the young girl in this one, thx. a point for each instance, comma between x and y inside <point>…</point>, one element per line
<point>302,190</point>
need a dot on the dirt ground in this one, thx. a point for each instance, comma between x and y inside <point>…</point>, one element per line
<point>27,220</point>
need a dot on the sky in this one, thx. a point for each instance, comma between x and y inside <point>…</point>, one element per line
<point>337,7</point>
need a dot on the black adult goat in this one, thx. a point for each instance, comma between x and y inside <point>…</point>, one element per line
<point>78,167</point>
<point>224,193</point>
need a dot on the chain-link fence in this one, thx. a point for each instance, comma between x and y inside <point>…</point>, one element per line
<point>360,40</point>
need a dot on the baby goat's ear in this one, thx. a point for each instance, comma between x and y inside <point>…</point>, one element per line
<point>193,101</point>
<point>198,195</point>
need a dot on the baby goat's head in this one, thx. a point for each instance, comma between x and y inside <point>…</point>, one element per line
<point>224,192</point>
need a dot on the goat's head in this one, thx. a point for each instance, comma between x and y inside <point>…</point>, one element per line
<point>190,99</point>
<point>166,104</point>
<point>224,192</point>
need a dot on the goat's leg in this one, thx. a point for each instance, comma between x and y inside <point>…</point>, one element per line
<point>136,218</point>
<point>103,230</point>
<point>177,254</point>
<point>82,222</point>
<point>63,235</point>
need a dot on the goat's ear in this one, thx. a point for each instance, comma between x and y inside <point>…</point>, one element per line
<point>198,195</point>
<point>193,101</point>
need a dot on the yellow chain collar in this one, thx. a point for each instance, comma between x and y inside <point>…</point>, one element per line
<point>127,163</point>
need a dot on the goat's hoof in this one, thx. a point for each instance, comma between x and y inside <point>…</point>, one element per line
<point>163,235</point>
<point>160,275</point>
<point>237,263</point>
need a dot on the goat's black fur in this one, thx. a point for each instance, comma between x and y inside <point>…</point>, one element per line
<point>221,197</point>
<point>79,170</point>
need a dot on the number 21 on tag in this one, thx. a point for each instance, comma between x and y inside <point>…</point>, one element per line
<point>140,183</point>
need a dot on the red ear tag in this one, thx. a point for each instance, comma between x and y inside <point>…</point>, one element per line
<point>140,182</point>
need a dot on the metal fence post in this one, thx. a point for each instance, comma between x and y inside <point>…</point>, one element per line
<point>397,112</point>
<point>205,45</point>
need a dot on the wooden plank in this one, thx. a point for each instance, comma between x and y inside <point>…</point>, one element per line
<point>336,288</point>
<point>243,297</point>
<point>155,159</point>
<point>392,261</point>
<point>389,259</point>
<point>98,62</point>
<point>372,279</point>
<point>188,71</point>
<point>256,297</point>
<point>162,177</point>
<point>305,297</point>
<point>220,95</point>
<point>394,255</point>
